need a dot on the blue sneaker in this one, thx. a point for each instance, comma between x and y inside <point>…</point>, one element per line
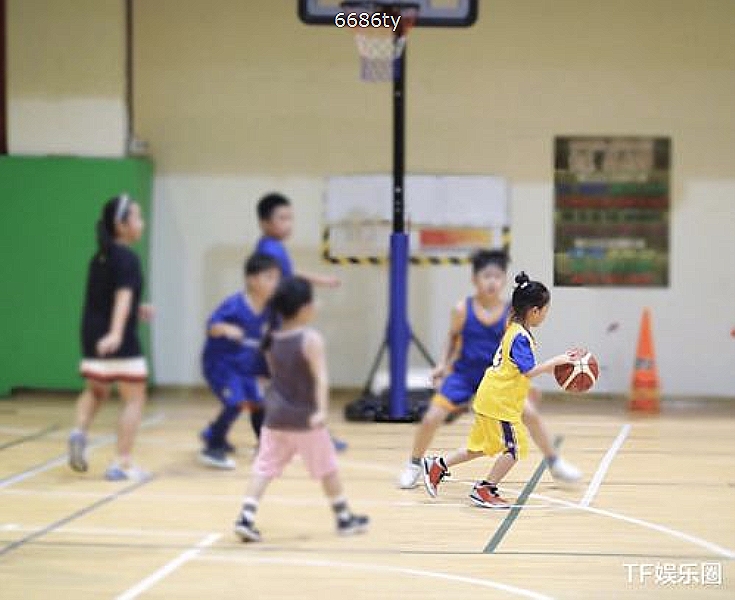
<point>78,451</point>
<point>339,445</point>
<point>116,473</point>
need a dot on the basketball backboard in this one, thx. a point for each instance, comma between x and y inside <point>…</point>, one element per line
<point>431,13</point>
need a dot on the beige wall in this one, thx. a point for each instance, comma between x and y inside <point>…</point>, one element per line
<point>244,87</point>
<point>238,98</point>
<point>66,77</point>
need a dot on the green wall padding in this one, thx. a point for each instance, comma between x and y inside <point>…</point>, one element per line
<point>48,210</point>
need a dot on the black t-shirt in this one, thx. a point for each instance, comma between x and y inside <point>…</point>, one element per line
<point>108,273</point>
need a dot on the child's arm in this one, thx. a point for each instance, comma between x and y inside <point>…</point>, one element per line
<point>318,279</point>
<point>227,330</point>
<point>120,312</point>
<point>219,323</point>
<point>571,355</point>
<point>316,357</point>
<point>548,365</point>
<point>456,323</point>
<point>523,357</point>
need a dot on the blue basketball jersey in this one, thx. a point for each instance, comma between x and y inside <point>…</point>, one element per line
<point>275,248</point>
<point>478,342</point>
<point>245,357</point>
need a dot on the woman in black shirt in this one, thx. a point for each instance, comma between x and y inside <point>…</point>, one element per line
<point>110,345</point>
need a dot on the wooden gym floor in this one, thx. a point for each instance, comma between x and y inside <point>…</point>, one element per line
<point>656,511</point>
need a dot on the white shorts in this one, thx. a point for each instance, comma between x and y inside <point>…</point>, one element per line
<point>107,370</point>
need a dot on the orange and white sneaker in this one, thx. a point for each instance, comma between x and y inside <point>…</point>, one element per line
<point>487,496</point>
<point>434,471</point>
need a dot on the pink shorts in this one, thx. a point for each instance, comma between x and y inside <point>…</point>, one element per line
<point>278,446</point>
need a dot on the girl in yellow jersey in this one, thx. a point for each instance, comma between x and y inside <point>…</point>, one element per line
<point>499,399</point>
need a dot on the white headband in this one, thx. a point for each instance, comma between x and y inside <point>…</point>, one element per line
<point>122,207</point>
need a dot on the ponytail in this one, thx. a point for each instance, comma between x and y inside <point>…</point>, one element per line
<point>273,323</point>
<point>267,342</point>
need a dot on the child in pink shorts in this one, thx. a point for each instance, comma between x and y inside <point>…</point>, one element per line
<point>296,411</point>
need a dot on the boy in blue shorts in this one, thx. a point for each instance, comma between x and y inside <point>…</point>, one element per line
<point>232,360</point>
<point>275,217</point>
<point>478,323</point>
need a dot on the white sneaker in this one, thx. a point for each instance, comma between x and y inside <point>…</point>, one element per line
<point>132,473</point>
<point>409,477</point>
<point>216,458</point>
<point>564,471</point>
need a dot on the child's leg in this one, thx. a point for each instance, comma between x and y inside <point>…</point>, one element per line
<point>245,524</point>
<point>256,487</point>
<point>89,402</point>
<point>460,456</point>
<point>559,468</point>
<point>230,389</point>
<point>504,463</point>
<point>276,450</point>
<point>253,396</point>
<point>257,415</point>
<point>317,450</point>
<point>133,395</point>
<point>435,469</point>
<point>440,408</point>
<point>432,419</point>
<point>216,447</point>
<point>534,424</point>
<point>219,428</point>
<point>453,394</point>
<point>347,522</point>
<point>485,493</point>
<point>510,441</point>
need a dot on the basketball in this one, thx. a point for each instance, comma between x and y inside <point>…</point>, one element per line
<point>578,376</point>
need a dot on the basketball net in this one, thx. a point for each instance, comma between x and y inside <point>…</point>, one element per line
<point>379,47</point>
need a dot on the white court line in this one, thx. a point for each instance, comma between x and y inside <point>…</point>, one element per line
<point>332,564</point>
<point>605,463</point>
<point>61,460</point>
<point>168,568</point>
<point>697,541</point>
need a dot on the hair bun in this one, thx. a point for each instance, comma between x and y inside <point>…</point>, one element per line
<point>522,279</point>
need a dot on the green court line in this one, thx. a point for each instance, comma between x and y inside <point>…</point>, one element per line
<point>516,509</point>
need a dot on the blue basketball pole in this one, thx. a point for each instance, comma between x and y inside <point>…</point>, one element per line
<point>399,331</point>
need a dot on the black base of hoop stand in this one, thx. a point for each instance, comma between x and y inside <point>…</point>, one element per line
<point>376,407</point>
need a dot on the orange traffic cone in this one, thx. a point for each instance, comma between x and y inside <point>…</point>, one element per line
<point>644,391</point>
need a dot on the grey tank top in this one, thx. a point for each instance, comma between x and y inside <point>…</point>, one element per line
<point>290,399</point>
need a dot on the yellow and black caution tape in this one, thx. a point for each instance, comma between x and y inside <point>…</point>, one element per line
<point>426,260</point>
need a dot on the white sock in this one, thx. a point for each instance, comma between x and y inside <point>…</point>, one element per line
<point>249,508</point>
<point>340,508</point>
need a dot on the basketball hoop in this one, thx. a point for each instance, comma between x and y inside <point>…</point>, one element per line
<point>380,31</point>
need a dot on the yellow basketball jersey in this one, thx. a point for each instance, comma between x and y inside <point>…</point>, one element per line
<point>503,388</point>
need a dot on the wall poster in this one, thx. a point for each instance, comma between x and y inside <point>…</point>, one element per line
<point>611,217</point>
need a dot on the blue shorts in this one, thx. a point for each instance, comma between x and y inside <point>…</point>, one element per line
<point>233,389</point>
<point>459,388</point>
